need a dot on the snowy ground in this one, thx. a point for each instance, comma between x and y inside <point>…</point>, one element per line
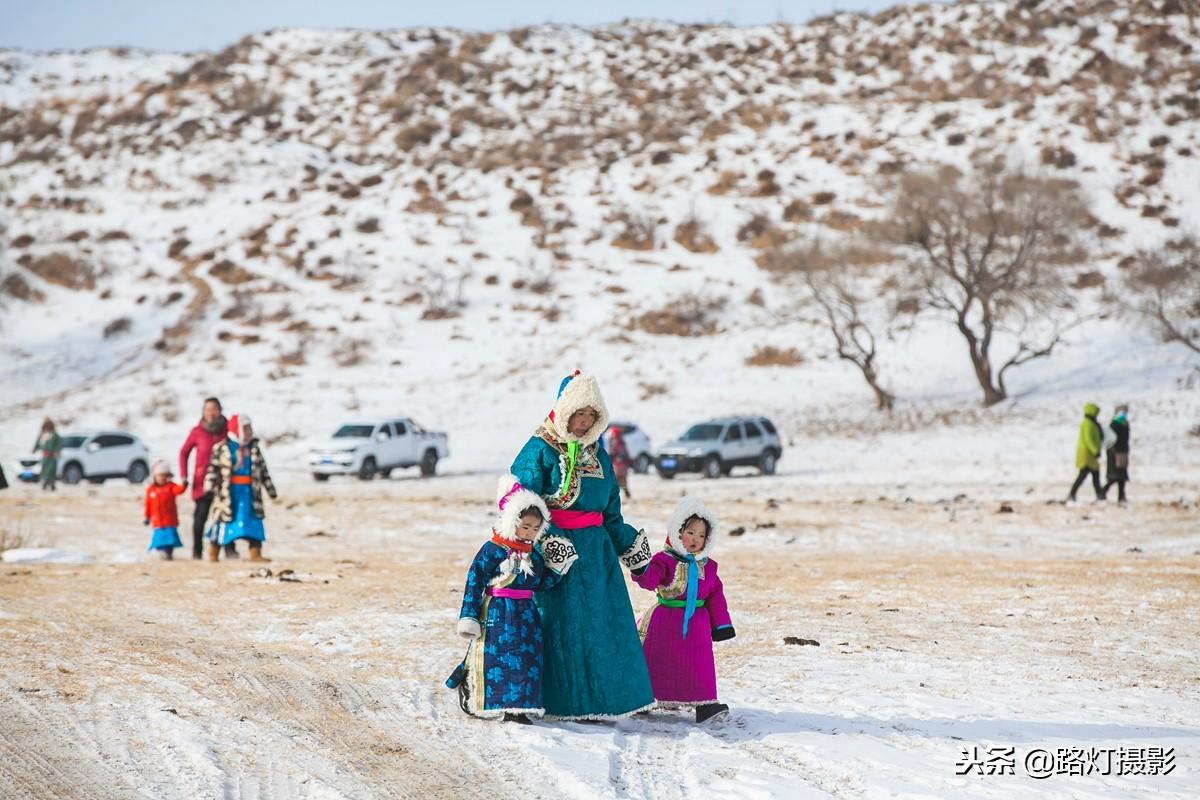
<point>942,625</point>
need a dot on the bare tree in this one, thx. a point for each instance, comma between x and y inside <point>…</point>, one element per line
<point>1164,289</point>
<point>828,275</point>
<point>988,249</point>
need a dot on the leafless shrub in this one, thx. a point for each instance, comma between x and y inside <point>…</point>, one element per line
<point>15,534</point>
<point>441,290</point>
<point>649,390</point>
<point>1164,290</point>
<point>688,315</point>
<point>637,232</point>
<point>349,352</point>
<point>117,326</point>
<point>417,134</point>
<point>249,97</point>
<point>693,235</point>
<point>61,269</point>
<point>989,250</point>
<point>771,356</point>
<point>15,285</point>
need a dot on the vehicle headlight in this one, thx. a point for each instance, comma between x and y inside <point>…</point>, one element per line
<point>695,452</point>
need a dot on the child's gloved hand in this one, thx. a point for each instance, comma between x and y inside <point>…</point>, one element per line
<point>185,484</point>
<point>469,628</point>
<point>723,633</point>
<point>146,521</point>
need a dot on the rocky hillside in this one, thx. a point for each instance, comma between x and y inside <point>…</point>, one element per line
<point>323,223</point>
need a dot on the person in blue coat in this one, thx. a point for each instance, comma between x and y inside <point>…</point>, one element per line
<point>594,665</point>
<point>502,673</point>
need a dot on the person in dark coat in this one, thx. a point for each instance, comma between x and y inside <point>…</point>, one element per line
<point>1117,459</point>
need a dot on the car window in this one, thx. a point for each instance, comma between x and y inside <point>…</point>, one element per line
<point>113,440</point>
<point>353,432</point>
<point>766,423</point>
<point>385,430</point>
<point>734,434</point>
<point>699,433</point>
<point>69,442</point>
<point>753,431</point>
<point>401,428</point>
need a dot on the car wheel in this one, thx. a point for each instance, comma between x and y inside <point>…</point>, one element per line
<point>72,473</point>
<point>137,472</point>
<point>367,471</point>
<point>429,464</point>
<point>320,477</point>
<point>712,467</point>
<point>642,465</point>
<point>766,462</point>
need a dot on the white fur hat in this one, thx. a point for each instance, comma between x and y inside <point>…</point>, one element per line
<point>579,391</point>
<point>160,467</point>
<point>688,507</point>
<point>511,499</point>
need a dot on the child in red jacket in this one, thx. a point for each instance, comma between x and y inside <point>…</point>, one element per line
<point>160,510</point>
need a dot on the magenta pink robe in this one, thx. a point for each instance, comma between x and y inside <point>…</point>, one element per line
<point>682,672</point>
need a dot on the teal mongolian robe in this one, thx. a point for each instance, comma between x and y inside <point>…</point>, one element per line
<point>594,666</point>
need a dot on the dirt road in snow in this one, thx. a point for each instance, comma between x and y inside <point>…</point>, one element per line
<point>941,623</point>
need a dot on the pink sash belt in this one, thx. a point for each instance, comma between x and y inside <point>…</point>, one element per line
<point>512,594</point>
<point>572,520</point>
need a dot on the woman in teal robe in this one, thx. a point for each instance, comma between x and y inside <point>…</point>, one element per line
<point>594,666</point>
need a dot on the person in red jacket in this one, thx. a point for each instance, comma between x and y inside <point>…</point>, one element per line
<point>160,510</point>
<point>211,430</point>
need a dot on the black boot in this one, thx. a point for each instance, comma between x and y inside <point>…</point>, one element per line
<point>520,719</point>
<point>710,711</point>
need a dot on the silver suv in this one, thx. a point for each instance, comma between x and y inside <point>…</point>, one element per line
<point>715,447</point>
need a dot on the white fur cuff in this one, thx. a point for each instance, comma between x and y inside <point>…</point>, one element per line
<point>559,553</point>
<point>638,554</point>
<point>469,628</point>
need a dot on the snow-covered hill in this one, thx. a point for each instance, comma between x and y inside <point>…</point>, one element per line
<point>325,224</point>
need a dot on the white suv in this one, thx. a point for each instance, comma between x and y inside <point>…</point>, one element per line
<point>367,449</point>
<point>96,456</point>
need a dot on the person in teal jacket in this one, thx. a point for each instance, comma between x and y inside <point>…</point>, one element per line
<point>1087,452</point>
<point>594,667</point>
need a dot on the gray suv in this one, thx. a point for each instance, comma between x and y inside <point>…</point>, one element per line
<point>715,447</point>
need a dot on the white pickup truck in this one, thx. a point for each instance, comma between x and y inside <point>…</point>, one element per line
<point>371,448</point>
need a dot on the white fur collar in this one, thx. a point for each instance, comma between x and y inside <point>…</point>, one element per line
<point>687,507</point>
<point>581,392</point>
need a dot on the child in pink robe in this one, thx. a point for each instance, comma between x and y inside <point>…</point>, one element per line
<point>679,630</point>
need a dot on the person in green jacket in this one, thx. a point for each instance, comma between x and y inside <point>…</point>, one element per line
<point>1087,452</point>
<point>50,445</point>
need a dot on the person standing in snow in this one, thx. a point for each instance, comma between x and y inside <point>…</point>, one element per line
<point>50,445</point>
<point>1087,452</point>
<point>618,453</point>
<point>1117,453</point>
<point>502,673</point>
<point>594,667</point>
<point>161,514</point>
<point>208,432</point>
<point>237,475</point>
<point>690,614</point>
